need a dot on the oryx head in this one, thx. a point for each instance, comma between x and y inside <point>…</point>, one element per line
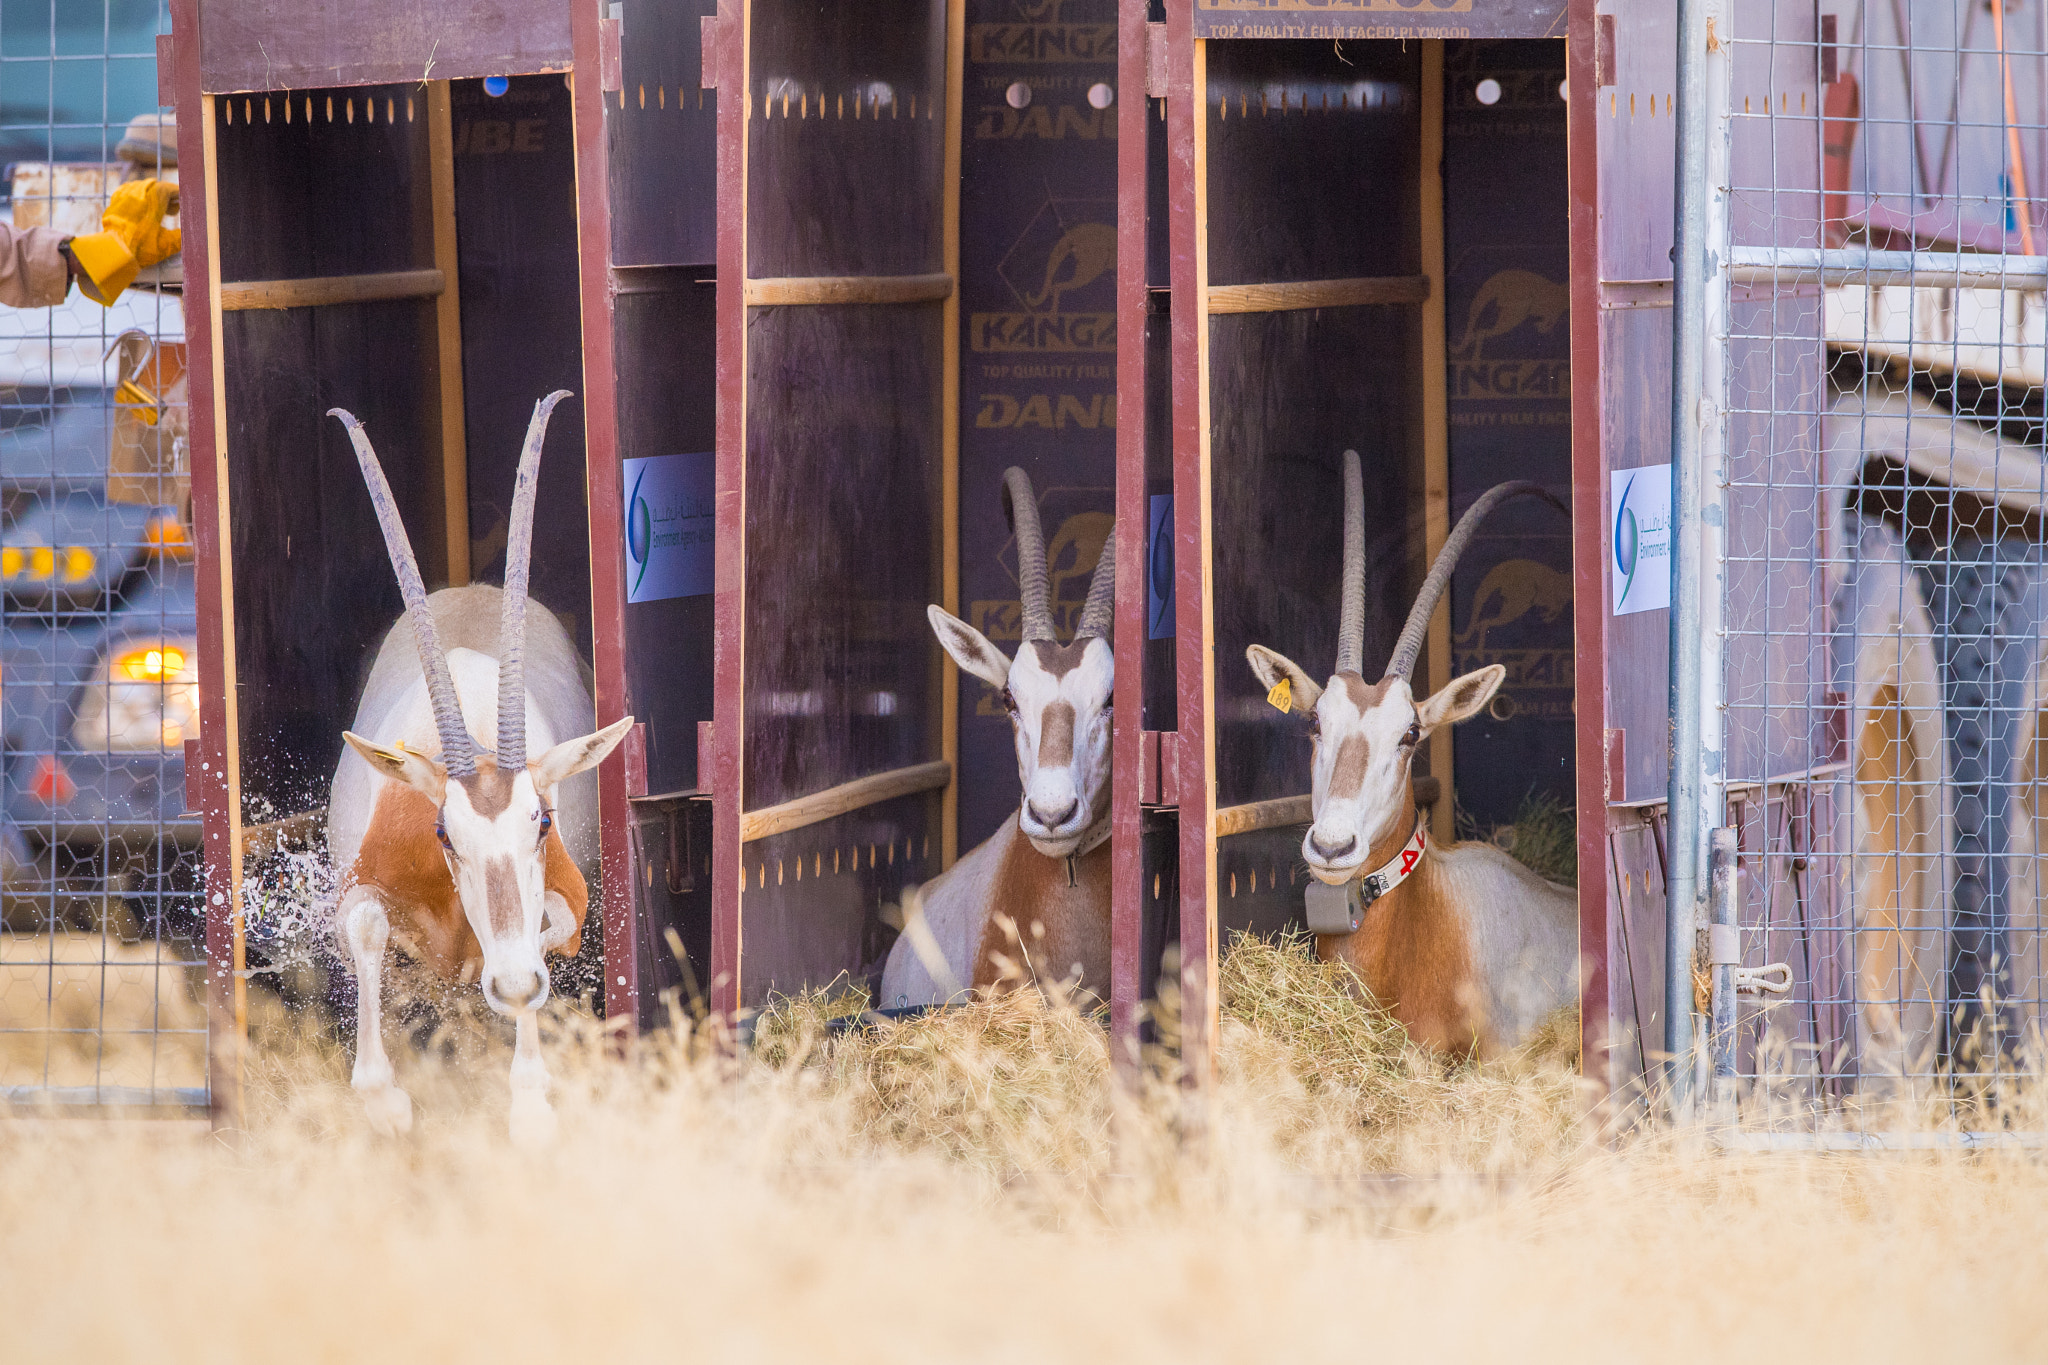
<point>1366,734</point>
<point>494,813</point>
<point>1058,696</point>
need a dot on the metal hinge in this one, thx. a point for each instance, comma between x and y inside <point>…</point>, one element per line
<point>1155,61</point>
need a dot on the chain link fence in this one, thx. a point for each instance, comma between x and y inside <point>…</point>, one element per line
<point>100,940</point>
<point>1880,381</point>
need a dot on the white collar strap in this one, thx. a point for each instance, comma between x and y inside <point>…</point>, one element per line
<point>1398,868</point>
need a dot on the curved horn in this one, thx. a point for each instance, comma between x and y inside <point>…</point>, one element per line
<point>1100,612</point>
<point>1031,577</point>
<point>458,752</point>
<point>1351,620</point>
<point>512,626</point>
<point>1410,643</point>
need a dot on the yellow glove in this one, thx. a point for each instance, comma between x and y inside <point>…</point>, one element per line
<point>134,236</point>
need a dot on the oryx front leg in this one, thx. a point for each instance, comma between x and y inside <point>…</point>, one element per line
<point>366,929</point>
<point>533,1118</point>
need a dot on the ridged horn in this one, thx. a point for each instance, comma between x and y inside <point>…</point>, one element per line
<point>1099,614</point>
<point>1410,644</point>
<point>1032,583</point>
<point>458,751</point>
<point>512,626</point>
<point>1351,619</point>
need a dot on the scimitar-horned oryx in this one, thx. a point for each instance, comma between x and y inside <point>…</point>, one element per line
<point>1031,902</point>
<point>443,828</point>
<point>1469,949</point>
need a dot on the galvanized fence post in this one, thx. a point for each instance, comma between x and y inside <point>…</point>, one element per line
<point>1698,507</point>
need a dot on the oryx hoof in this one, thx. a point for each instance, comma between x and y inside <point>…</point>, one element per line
<point>533,1120</point>
<point>389,1110</point>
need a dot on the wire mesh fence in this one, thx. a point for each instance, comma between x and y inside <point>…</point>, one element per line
<point>1886,549</point>
<point>101,924</point>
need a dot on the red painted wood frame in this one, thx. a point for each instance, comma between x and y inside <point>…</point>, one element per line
<point>1127,870</point>
<point>1188,256</point>
<point>1188,221</point>
<point>218,785</point>
<point>728,711</point>
<point>219,820</point>
<point>607,554</point>
<point>1589,554</point>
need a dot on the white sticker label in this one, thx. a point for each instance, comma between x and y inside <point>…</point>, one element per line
<point>1639,539</point>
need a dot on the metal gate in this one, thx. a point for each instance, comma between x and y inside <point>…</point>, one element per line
<point>101,929</point>
<point>1872,574</point>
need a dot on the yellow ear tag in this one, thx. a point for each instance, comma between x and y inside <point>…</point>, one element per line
<point>1281,698</point>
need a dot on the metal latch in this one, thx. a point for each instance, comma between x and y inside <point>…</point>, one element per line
<point>1334,909</point>
<point>1724,949</point>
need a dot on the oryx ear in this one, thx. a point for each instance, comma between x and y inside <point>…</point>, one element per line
<point>1273,669</point>
<point>1461,697</point>
<point>395,761</point>
<point>970,648</point>
<point>573,756</point>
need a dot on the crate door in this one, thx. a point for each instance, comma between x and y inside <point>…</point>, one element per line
<point>830,743</point>
<point>1299,324</point>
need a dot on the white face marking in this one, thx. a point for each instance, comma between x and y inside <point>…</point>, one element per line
<point>499,863</point>
<point>1360,767</point>
<point>1062,722</point>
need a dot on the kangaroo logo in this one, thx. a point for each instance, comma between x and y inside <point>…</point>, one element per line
<point>1505,302</point>
<point>1084,253</point>
<point>1511,590</point>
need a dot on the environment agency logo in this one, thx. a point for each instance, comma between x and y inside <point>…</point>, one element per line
<point>639,533</point>
<point>1639,541</point>
<point>669,530</point>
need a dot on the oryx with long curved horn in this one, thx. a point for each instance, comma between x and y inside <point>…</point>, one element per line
<point>463,816</point>
<point>1465,946</point>
<point>1031,901</point>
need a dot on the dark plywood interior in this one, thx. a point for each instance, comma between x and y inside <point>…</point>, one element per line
<point>292,195</point>
<point>843,159</point>
<point>1037,339</point>
<point>1508,336</point>
<point>660,134</point>
<point>302,527</point>
<point>515,218</point>
<point>843,478</point>
<point>1299,139</point>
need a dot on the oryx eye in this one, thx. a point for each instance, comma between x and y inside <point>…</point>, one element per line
<point>1315,726</point>
<point>441,833</point>
<point>1413,737</point>
<point>1009,701</point>
<point>547,822</point>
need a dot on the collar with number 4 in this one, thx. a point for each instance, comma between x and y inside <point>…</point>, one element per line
<point>1398,868</point>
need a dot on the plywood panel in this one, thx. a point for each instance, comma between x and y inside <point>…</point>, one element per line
<point>1289,392</point>
<point>845,138</point>
<point>1635,431</point>
<point>1509,340</point>
<point>842,488</point>
<point>1037,338</point>
<point>661,127</point>
<point>263,45</point>
<point>515,212</point>
<point>287,199</point>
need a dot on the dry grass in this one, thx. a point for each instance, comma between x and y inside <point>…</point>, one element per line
<point>962,1186</point>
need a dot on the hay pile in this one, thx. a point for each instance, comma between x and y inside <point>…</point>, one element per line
<point>963,1186</point>
<point>1016,1086</point>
